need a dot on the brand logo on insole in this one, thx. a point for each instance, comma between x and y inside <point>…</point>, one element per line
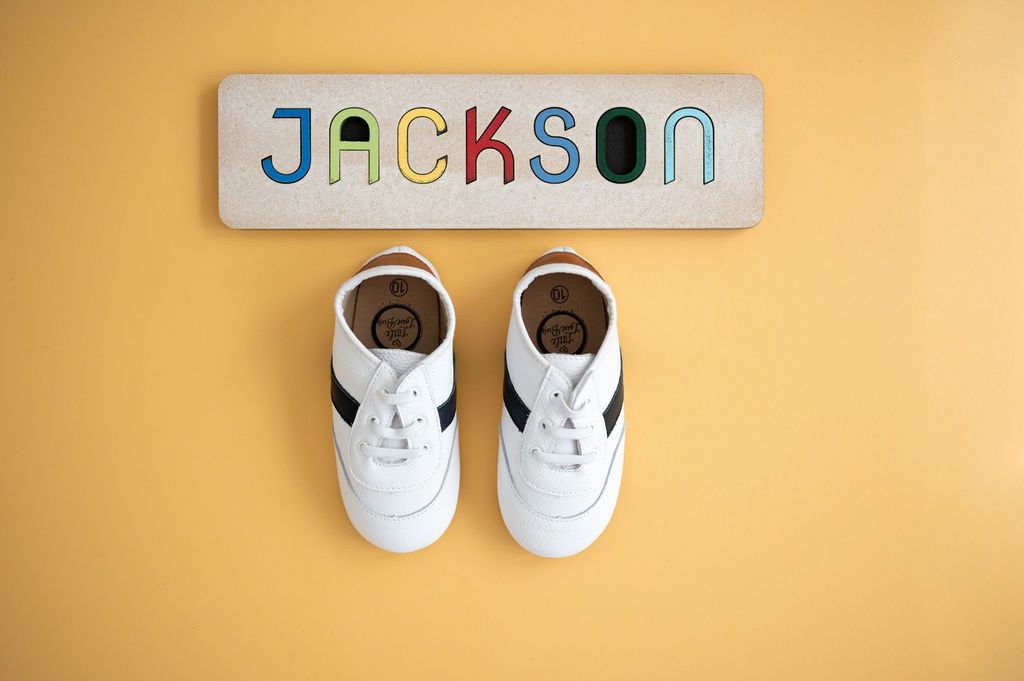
<point>559,294</point>
<point>398,287</point>
<point>396,327</point>
<point>562,332</point>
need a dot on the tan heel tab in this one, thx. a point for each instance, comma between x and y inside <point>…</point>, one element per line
<point>562,258</point>
<point>397,260</point>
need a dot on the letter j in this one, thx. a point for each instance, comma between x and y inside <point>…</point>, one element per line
<point>305,144</point>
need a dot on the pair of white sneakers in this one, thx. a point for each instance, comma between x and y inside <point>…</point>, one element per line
<point>562,433</point>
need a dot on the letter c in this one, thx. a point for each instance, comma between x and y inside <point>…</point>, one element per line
<point>403,145</point>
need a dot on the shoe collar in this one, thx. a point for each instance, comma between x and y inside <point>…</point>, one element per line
<point>608,348</point>
<point>443,349</point>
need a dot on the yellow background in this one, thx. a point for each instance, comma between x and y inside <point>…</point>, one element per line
<point>825,470</point>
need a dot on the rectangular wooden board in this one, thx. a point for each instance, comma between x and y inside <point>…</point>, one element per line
<point>651,151</point>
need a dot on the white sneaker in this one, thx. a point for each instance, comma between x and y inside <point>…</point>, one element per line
<point>563,427</point>
<point>393,389</point>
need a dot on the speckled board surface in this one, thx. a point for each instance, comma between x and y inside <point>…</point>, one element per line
<point>491,151</point>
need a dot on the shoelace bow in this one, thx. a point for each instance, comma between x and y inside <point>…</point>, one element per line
<point>405,432</point>
<point>581,428</point>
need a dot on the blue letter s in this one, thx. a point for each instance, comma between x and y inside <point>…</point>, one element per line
<point>551,141</point>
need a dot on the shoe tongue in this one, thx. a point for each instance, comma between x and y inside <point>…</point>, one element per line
<point>571,366</point>
<point>402,361</point>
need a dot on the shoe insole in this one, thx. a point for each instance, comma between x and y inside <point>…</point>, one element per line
<point>565,314</point>
<point>396,312</point>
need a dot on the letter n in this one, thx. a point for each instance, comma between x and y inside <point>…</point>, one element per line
<point>707,127</point>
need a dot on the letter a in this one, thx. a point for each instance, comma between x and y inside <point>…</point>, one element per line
<point>371,144</point>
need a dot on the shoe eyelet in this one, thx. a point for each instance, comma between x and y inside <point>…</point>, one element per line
<point>555,395</point>
<point>361,445</point>
<point>543,425</point>
<point>415,392</point>
<point>425,447</point>
<point>420,419</point>
<point>534,451</point>
<point>372,419</point>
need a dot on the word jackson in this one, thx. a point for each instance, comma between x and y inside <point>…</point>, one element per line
<point>620,155</point>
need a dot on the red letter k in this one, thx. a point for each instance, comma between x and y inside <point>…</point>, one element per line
<point>474,146</point>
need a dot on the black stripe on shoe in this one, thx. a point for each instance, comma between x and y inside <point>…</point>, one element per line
<point>446,412</point>
<point>514,404</point>
<point>347,406</point>
<point>520,413</point>
<point>614,408</point>
<point>344,403</point>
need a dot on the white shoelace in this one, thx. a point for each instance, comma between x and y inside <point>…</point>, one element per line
<point>582,427</point>
<point>402,432</point>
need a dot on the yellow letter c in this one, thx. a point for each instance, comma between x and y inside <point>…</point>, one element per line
<point>403,145</point>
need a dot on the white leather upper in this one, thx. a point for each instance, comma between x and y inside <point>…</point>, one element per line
<point>389,488</point>
<point>377,493</point>
<point>543,500</point>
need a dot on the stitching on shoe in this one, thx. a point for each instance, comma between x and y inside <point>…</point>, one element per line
<point>408,516</point>
<point>559,519</point>
<point>536,409</point>
<point>433,471</point>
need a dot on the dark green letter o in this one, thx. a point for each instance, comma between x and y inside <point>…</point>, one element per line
<point>621,145</point>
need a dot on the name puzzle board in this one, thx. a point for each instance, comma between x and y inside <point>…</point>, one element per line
<point>374,151</point>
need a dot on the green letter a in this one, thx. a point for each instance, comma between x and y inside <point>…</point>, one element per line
<point>363,125</point>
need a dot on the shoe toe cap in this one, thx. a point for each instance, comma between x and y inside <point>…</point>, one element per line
<point>402,533</point>
<point>555,536</point>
